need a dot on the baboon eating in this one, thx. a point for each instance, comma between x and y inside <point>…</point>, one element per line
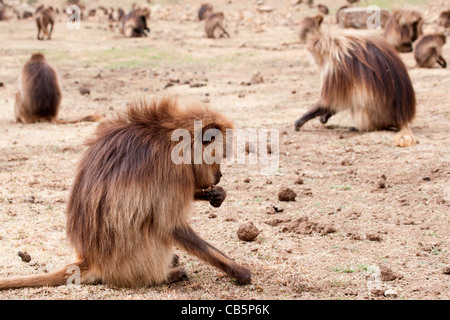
<point>39,95</point>
<point>310,27</point>
<point>44,17</point>
<point>402,29</point>
<point>134,24</point>
<point>428,51</point>
<point>130,203</point>
<point>205,10</point>
<point>354,78</point>
<point>214,26</point>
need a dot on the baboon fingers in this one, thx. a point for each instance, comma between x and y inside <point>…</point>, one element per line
<point>441,61</point>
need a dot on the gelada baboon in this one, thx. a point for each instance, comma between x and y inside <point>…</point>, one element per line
<point>134,24</point>
<point>39,95</point>
<point>205,10</point>
<point>310,27</point>
<point>130,204</point>
<point>402,29</point>
<point>339,11</point>
<point>428,51</point>
<point>44,17</point>
<point>444,19</point>
<point>354,77</point>
<point>214,26</point>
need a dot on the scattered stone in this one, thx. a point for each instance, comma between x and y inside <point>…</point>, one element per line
<point>287,195</point>
<point>353,236</point>
<point>25,256</point>
<point>212,215</point>
<point>446,270</point>
<point>257,78</point>
<point>386,274</point>
<point>390,293</point>
<point>168,84</point>
<point>247,180</point>
<point>426,179</point>
<point>274,209</point>
<point>197,85</point>
<point>85,91</point>
<point>373,237</point>
<point>299,181</point>
<point>248,232</point>
<point>346,162</point>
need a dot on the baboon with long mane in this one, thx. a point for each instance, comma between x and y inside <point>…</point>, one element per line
<point>134,24</point>
<point>310,27</point>
<point>39,95</point>
<point>403,28</point>
<point>130,204</point>
<point>214,26</point>
<point>428,51</point>
<point>45,17</point>
<point>354,78</point>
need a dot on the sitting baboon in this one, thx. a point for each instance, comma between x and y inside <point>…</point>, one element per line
<point>366,76</point>
<point>428,51</point>
<point>130,203</point>
<point>134,24</point>
<point>214,26</point>
<point>310,27</point>
<point>402,29</point>
<point>39,95</point>
<point>205,10</point>
<point>44,17</point>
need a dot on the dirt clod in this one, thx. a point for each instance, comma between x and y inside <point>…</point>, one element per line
<point>287,195</point>
<point>248,232</point>
<point>25,256</point>
<point>373,237</point>
<point>387,274</point>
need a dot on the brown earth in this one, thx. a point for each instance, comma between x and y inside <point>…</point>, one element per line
<point>362,205</point>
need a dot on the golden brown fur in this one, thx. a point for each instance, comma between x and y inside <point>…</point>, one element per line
<point>444,19</point>
<point>310,27</point>
<point>354,77</point>
<point>205,10</point>
<point>45,17</point>
<point>402,29</point>
<point>130,204</point>
<point>214,26</point>
<point>39,95</point>
<point>428,51</point>
<point>134,24</point>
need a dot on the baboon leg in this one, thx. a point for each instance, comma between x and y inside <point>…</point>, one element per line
<point>192,243</point>
<point>316,111</point>
<point>442,62</point>
<point>324,119</point>
<point>176,274</point>
<point>50,33</point>
<point>18,107</point>
<point>405,137</point>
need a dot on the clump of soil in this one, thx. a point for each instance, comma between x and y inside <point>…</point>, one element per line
<point>25,256</point>
<point>287,195</point>
<point>302,225</point>
<point>248,232</point>
<point>386,274</point>
<point>373,237</point>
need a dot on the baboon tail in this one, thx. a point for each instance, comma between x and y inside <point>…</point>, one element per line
<point>52,279</point>
<point>91,118</point>
<point>442,62</point>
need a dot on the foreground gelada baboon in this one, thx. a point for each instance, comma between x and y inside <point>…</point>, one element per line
<point>205,10</point>
<point>130,204</point>
<point>134,24</point>
<point>214,26</point>
<point>428,51</point>
<point>310,27</point>
<point>403,28</point>
<point>39,95</point>
<point>44,17</point>
<point>354,77</point>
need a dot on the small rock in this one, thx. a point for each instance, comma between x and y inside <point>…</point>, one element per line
<point>287,195</point>
<point>299,181</point>
<point>446,270</point>
<point>248,232</point>
<point>247,180</point>
<point>386,274</point>
<point>426,179</point>
<point>212,215</point>
<point>85,91</point>
<point>30,199</point>
<point>373,237</point>
<point>25,256</point>
<point>390,293</point>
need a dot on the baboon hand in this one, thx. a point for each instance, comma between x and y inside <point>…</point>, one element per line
<point>216,196</point>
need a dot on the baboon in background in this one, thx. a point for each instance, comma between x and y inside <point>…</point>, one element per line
<point>214,26</point>
<point>130,204</point>
<point>402,29</point>
<point>39,96</point>
<point>444,19</point>
<point>44,17</point>
<point>339,11</point>
<point>323,9</point>
<point>134,24</point>
<point>310,27</point>
<point>427,51</point>
<point>354,78</point>
<point>205,10</point>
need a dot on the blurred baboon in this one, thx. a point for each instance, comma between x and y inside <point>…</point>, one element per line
<point>428,51</point>
<point>402,29</point>
<point>444,19</point>
<point>339,11</point>
<point>134,24</point>
<point>44,17</point>
<point>354,77</point>
<point>205,10</point>
<point>130,204</point>
<point>323,9</point>
<point>214,26</point>
<point>39,95</point>
<point>310,27</point>
<point>353,2</point>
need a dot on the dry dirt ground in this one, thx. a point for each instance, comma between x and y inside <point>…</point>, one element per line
<point>380,207</point>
